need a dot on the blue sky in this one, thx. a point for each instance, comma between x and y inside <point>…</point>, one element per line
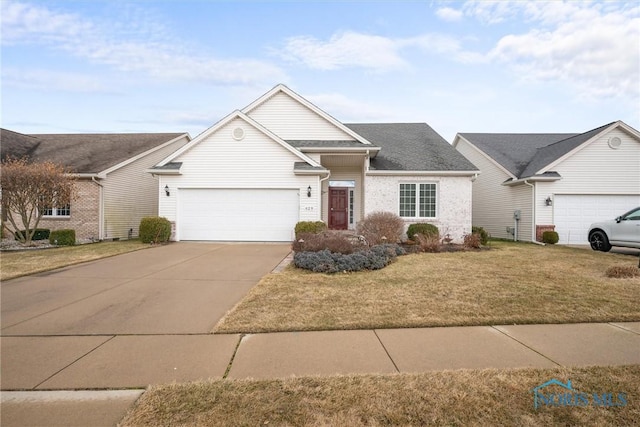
<point>461,66</point>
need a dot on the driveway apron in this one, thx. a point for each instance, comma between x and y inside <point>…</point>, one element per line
<point>81,322</point>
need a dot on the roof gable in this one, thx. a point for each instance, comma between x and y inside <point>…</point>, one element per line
<point>411,147</point>
<point>221,124</point>
<point>85,153</point>
<point>293,117</point>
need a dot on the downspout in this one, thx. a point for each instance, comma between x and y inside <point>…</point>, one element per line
<point>320,189</point>
<point>533,213</point>
<point>100,209</point>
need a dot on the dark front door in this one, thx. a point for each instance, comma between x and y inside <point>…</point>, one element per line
<point>338,208</point>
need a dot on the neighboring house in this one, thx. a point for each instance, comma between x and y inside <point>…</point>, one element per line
<point>257,172</point>
<point>561,182</point>
<point>114,191</point>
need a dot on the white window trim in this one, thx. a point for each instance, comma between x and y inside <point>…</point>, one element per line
<point>55,213</point>
<point>417,200</point>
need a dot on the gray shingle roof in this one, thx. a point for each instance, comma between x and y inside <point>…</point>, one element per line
<point>513,151</point>
<point>304,166</point>
<point>552,152</point>
<point>411,147</point>
<point>524,154</point>
<point>82,153</point>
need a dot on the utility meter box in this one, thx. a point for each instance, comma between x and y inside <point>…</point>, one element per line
<point>516,215</point>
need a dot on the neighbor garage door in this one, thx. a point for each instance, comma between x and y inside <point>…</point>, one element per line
<point>250,215</point>
<point>573,214</point>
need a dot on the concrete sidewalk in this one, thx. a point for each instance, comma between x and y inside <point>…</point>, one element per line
<point>136,361</point>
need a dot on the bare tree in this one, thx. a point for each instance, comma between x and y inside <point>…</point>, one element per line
<point>29,189</point>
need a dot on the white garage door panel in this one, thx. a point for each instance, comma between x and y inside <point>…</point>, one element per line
<point>250,215</point>
<point>573,214</point>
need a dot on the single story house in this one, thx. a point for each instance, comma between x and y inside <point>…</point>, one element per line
<point>113,190</point>
<point>530,183</point>
<point>257,172</point>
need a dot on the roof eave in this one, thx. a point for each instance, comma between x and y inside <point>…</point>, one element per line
<point>423,173</point>
<point>520,181</point>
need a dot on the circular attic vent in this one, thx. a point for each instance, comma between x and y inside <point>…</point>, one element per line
<point>238,134</point>
<point>615,142</point>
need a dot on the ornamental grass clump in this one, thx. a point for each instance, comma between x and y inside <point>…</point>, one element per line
<point>623,271</point>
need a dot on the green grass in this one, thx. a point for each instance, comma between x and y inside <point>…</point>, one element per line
<point>511,283</point>
<point>21,263</point>
<point>452,398</point>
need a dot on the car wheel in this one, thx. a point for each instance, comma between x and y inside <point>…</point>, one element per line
<point>599,242</point>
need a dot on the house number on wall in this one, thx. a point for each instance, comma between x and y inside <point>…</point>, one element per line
<point>308,208</point>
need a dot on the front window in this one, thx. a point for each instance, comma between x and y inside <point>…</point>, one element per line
<point>64,211</point>
<point>418,200</point>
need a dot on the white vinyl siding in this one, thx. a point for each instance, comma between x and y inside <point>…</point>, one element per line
<point>255,162</point>
<point>596,169</point>
<point>290,120</point>
<point>130,194</point>
<point>492,202</point>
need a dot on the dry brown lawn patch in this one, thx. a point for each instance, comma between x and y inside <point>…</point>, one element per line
<point>456,398</point>
<point>21,263</point>
<point>511,283</point>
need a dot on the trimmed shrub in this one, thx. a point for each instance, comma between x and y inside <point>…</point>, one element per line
<point>484,236</point>
<point>327,262</point>
<point>428,243</point>
<point>64,237</point>
<point>314,227</point>
<point>333,242</point>
<point>623,271</point>
<point>423,228</point>
<point>381,227</point>
<point>40,234</point>
<point>472,241</point>
<point>550,237</point>
<point>155,229</point>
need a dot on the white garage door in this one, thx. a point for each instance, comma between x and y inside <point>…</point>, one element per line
<point>250,215</point>
<point>573,214</point>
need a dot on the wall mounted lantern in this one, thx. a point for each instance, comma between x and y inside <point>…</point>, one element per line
<point>309,191</point>
<point>166,190</point>
<point>548,201</point>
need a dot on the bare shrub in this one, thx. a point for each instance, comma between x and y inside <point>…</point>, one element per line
<point>429,243</point>
<point>472,241</point>
<point>333,242</point>
<point>381,227</point>
<point>623,271</point>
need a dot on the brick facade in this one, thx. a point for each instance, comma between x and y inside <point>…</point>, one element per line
<point>541,229</point>
<point>84,218</point>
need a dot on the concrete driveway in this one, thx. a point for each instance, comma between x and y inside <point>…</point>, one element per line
<point>130,320</point>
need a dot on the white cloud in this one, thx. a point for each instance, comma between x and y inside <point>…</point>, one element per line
<point>346,109</point>
<point>376,53</point>
<point>596,51</point>
<point>344,50</point>
<point>126,46</point>
<point>47,80</point>
<point>449,14</point>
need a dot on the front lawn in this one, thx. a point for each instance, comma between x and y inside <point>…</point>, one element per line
<point>21,263</point>
<point>513,283</point>
<point>452,398</point>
